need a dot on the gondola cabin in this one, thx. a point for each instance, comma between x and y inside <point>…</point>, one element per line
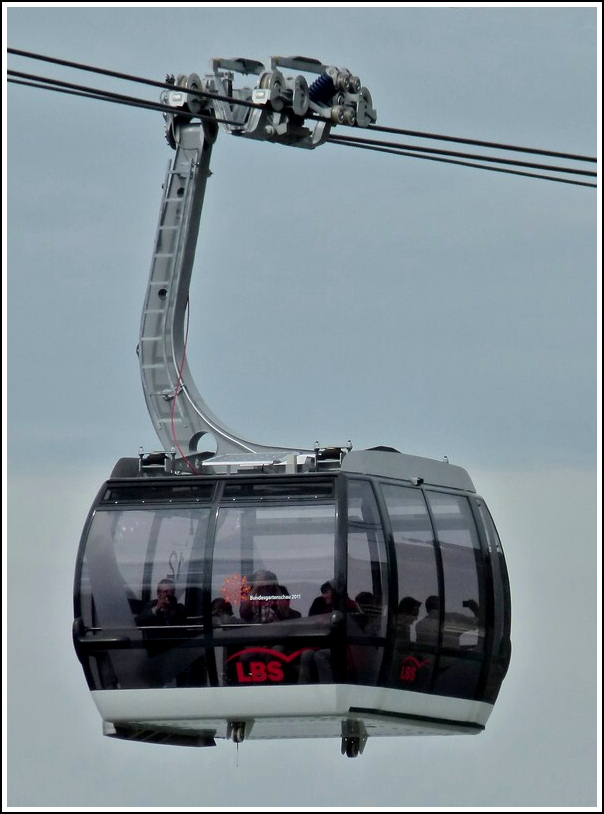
<point>329,595</point>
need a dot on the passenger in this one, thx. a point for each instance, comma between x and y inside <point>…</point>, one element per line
<point>165,618</point>
<point>455,624</point>
<point>315,667</point>
<point>426,630</point>
<point>407,613</point>
<point>325,602</point>
<point>283,605</point>
<point>261,605</point>
<point>222,612</point>
<point>267,602</point>
<point>164,610</point>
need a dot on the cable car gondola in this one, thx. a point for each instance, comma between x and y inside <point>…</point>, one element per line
<point>263,592</point>
<point>378,523</point>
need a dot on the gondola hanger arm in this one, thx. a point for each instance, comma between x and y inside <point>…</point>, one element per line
<point>280,109</point>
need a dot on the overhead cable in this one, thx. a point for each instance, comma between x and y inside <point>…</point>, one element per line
<point>408,150</point>
<point>464,163</point>
<point>477,143</point>
<point>492,159</point>
<point>374,127</point>
<point>130,78</point>
<point>102,95</point>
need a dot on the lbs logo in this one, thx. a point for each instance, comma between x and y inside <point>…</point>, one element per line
<point>260,665</point>
<point>409,667</point>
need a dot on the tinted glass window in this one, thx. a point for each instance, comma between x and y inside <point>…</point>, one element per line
<point>367,563</point>
<point>129,552</point>
<point>150,492</point>
<point>138,592</point>
<point>307,489</point>
<point>271,560</point>
<point>501,607</point>
<point>493,540</point>
<point>415,557</point>
<point>268,566</point>
<point>463,571</point>
<point>367,601</point>
<point>416,570</point>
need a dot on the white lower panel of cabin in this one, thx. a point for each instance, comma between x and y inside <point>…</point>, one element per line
<point>310,711</point>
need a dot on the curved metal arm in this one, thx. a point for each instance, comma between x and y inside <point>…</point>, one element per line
<point>279,106</point>
<point>179,414</point>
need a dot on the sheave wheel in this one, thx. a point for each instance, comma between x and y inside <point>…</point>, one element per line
<point>351,746</point>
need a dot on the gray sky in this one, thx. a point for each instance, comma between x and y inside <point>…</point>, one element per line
<point>338,294</point>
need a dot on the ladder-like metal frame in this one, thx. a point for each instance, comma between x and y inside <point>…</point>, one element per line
<point>180,415</point>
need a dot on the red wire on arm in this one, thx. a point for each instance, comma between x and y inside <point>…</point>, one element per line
<point>176,392</point>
